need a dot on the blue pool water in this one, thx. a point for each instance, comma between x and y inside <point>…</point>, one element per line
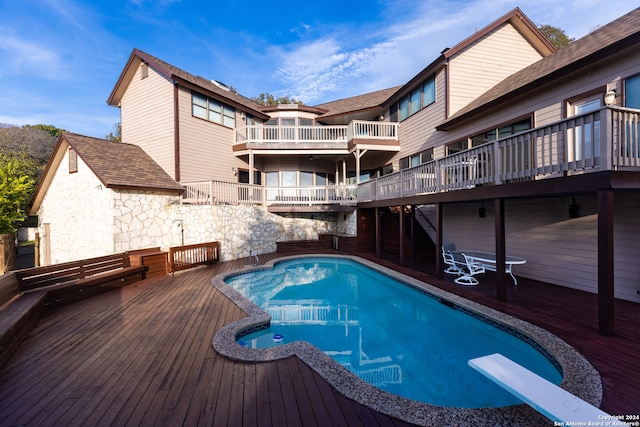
<point>384,331</point>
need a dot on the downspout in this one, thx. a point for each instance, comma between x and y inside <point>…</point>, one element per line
<point>176,132</point>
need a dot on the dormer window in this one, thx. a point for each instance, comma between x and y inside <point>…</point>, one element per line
<point>73,161</point>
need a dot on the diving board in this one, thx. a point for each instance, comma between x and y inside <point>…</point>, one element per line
<point>542,395</point>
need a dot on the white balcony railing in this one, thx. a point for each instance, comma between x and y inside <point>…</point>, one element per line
<point>608,139</point>
<point>341,135</point>
<point>218,192</point>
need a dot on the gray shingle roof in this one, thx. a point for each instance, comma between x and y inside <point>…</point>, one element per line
<point>357,103</point>
<point>121,165</point>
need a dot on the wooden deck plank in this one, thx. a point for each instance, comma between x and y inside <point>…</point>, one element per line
<point>276,398</point>
<point>142,354</point>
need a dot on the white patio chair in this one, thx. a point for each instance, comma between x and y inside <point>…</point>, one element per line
<point>447,256</point>
<point>469,269</point>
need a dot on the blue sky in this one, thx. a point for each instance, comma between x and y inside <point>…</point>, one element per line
<point>59,59</point>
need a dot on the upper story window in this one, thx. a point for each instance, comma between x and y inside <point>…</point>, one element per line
<point>490,135</point>
<point>212,110</point>
<point>429,92</point>
<point>404,108</point>
<point>419,98</point>
<point>632,92</point>
<point>416,159</point>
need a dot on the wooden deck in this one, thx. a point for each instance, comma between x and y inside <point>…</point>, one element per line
<point>142,355</point>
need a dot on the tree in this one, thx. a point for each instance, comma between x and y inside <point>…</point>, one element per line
<point>556,36</point>
<point>27,149</point>
<point>116,134</point>
<point>15,189</point>
<point>269,99</point>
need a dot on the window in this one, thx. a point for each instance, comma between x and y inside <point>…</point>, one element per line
<point>229,118</point>
<point>457,146</point>
<point>73,161</point>
<point>414,101</point>
<point>429,92</point>
<point>632,130</point>
<point>632,92</point>
<point>586,134</point>
<point>490,135</point>
<point>417,159</point>
<point>214,111</point>
<point>404,108</point>
<point>288,128</point>
<point>393,112</point>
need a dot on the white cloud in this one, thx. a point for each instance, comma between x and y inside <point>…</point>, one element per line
<point>22,56</point>
<point>340,65</point>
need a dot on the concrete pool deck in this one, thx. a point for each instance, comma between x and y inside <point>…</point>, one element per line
<point>580,378</point>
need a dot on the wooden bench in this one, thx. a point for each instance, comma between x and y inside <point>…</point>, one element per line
<point>26,294</point>
<point>71,281</point>
<point>19,314</point>
<point>542,395</point>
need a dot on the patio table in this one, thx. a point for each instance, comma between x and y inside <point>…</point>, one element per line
<point>488,259</point>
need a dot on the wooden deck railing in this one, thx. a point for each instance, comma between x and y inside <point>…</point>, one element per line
<point>608,139</point>
<point>231,193</point>
<point>183,257</point>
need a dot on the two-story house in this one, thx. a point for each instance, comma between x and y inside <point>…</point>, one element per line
<point>499,126</point>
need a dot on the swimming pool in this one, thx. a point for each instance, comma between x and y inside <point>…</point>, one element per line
<point>406,359</point>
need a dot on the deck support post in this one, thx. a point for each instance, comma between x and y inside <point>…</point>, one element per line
<point>412,224</point>
<point>401,239</point>
<point>378,234</point>
<point>439,261</point>
<point>501,275</point>
<point>605,262</point>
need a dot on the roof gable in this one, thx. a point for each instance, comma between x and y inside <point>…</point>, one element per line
<point>515,17</point>
<point>121,165</point>
<point>605,41</point>
<point>182,77</point>
<point>115,164</point>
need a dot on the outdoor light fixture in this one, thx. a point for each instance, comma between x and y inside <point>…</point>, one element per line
<point>610,97</point>
<point>234,171</point>
<point>574,208</point>
<point>482,211</point>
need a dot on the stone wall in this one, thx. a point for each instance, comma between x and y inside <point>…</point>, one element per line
<point>245,230</point>
<point>77,213</point>
<point>84,219</point>
<point>143,220</point>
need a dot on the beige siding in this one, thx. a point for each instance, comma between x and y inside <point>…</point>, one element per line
<point>418,132</point>
<point>627,246</point>
<point>206,151</point>
<point>558,249</point>
<point>147,117</point>
<point>486,62</point>
<point>547,104</point>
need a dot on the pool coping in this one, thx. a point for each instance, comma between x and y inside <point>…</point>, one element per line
<point>579,376</point>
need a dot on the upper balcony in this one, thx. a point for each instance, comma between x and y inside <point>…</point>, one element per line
<point>604,140</point>
<point>340,138</point>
